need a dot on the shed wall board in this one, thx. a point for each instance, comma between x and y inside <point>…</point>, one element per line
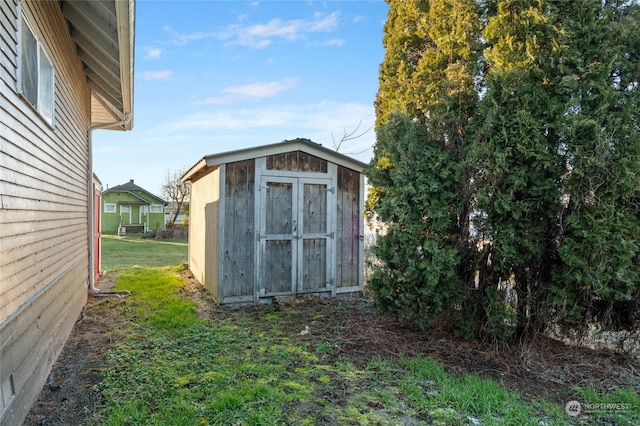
<point>203,223</point>
<point>349,215</point>
<point>44,199</point>
<point>237,255</point>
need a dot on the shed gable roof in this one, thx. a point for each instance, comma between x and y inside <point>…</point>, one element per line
<point>299,144</point>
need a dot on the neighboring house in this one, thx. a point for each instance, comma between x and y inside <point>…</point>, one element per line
<point>276,220</point>
<point>131,207</point>
<point>66,70</point>
<point>170,210</point>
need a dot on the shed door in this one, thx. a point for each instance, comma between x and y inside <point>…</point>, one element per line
<point>295,235</point>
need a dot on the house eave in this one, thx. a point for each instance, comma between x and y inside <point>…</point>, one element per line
<point>104,33</point>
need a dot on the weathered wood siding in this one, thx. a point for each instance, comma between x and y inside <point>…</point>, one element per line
<point>44,261</point>
<point>277,251</point>
<point>349,217</point>
<point>238,240</point>
<point>315,218</point>
<point>296,161</point>
<point>203,230</point>
<point>289,223</point>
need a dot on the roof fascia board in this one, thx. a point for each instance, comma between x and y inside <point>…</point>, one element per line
<point>125,21</point>
<point>194,169</point>
<point>282,147</point>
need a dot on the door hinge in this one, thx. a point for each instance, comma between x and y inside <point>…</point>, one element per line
<point>330,235</point>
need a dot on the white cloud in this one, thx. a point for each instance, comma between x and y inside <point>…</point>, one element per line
<point>157,75</point>
<point>259,36</point>
<point>261,90</point>
<point>252,90</point>
<point>324,22</point>
<point>322,115</point>
<point>332,42</point>
<point>224,120</point>
<point>153,54</point>
<point>181,38</point>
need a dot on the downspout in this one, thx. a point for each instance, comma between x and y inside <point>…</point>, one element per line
<point>92,287</point>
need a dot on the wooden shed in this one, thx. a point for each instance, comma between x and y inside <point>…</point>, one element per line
<point>276,220</point>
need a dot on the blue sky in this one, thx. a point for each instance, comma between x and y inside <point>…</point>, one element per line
<point>215,76</point>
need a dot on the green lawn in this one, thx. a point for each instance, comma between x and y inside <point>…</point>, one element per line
<point>132,251</point>
<point>254,366</point>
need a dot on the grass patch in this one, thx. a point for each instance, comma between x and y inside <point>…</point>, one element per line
<point>252,367</point>
<point>131,251</point>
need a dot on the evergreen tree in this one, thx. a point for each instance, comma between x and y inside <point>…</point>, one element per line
<point>416,280</point>
<point>519,168</point>
<point>530,111</point>
<point>429,75</point>
<point>432,52</point>
<point>599,273</point>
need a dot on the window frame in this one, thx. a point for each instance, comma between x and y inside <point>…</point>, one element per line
<point>43,83</point>
<point>155,208</point>
<point>110,205</point>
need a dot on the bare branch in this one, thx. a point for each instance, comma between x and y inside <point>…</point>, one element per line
<point>349,136</point>
<point>176,190</point>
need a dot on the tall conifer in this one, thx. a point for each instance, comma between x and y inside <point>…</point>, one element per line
<point>531,111</point>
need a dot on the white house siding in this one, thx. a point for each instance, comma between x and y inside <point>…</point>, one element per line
<point>43,210</point>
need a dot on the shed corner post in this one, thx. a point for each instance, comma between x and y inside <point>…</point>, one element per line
<point>222,194</point>
<point>332,170</point>
<point>260,165</point>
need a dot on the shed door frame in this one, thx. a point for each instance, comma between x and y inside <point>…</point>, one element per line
<point>296,238</point>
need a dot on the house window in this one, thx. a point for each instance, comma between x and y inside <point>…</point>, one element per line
<point>37,76</point>
<point>155,208</point>
<point>125,209</point>
<point>109,207</point>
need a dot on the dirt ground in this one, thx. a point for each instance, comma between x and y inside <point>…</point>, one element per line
<point>544,368</point>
